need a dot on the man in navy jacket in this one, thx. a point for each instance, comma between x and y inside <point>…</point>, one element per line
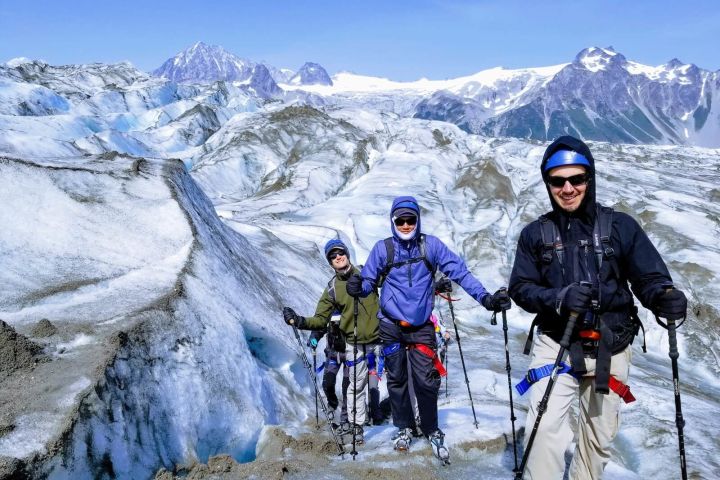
<point>583,258</point>
<point>406,303</point>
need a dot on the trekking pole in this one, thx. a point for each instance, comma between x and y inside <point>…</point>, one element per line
<point>306,364</point>
<point>462,358</point>
<point>542,406</point>
<point>354,373</point>
<point>674,354</point>
<point>508,369</point>
<point>447,352</point>
<point>317,418</point>
<point>447,355</point>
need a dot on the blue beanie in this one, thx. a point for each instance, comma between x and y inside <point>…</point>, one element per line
<point>335,244</point>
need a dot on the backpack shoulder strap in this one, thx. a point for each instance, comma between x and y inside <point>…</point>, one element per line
<point>602,232</point>
<point>389,261</point>
<point>331,289</point>
<point>390,249</point>
<point>423,254</point>
<point>551,241</point>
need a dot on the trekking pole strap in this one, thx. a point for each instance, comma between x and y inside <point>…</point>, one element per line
<point>448,297</point>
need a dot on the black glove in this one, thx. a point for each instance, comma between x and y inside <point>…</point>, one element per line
<point>575,298</point>
<point>670,304</point>
<point>354,285</point>
<point>292,318</point>
<point>444,285</point>
<point>498,301</point>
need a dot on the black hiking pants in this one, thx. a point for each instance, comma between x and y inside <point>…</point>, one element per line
<point>333,360</point>
<point>425,377</point>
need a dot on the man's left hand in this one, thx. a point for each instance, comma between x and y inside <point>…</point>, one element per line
<point>671,304</point>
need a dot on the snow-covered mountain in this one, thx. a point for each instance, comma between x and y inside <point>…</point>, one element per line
<point>205,63</point>
<point>600,96</point>
<point>202,63</point>
<point>311,74</point>
<point>603,96</point>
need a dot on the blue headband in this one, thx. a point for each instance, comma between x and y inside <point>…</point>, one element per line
<point>562,158</point>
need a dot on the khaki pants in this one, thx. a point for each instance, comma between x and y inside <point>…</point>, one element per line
<point>598,418</point>
<point>360,371</point>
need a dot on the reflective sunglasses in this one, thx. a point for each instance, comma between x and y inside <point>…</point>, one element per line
<point>575,180</point>
<point>399,222</point>
<point>336,253</point>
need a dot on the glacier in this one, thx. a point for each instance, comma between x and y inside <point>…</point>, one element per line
<point>162,227</point>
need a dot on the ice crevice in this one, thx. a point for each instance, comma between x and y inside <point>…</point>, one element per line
<point>134,381</point>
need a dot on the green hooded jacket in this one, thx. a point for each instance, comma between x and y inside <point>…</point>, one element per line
<point>368,323</point>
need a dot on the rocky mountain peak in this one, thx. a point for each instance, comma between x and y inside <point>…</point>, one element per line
<point>595,59</point>
<point>311,74</point>
<point>205,63</point>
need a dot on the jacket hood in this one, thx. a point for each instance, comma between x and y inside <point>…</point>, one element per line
<point>588,205</point>
<point>405,202</point>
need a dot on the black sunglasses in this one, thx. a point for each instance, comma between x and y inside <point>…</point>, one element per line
<point>399,222</point>
<point>337,253</point>
<point>575,180</point>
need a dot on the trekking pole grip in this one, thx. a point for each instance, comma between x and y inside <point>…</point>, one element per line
<point>569,328</point>
<point>671,327</point>
<point>674,354</point>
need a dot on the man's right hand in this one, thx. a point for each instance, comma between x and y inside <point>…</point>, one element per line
<point>354,286</point>
<point>578,298</point>
<point>292,318</point>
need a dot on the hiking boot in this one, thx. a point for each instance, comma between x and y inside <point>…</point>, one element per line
<point>331,417</point>
<point>344,428</point>
<point>402,440</point>
<point>347,434</point>
<point>437,442</point>
<point>359,435</point>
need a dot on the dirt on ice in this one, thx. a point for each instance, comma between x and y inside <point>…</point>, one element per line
<point>315,456</point>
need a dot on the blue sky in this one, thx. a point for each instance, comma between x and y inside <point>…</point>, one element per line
<point>402,40</point>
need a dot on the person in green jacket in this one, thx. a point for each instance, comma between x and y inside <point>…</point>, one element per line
<point>363,368</point>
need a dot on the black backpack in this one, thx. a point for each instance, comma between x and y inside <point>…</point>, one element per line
<point>602,245</point>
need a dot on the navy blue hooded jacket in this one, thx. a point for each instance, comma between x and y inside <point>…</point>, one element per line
<point>408,291</point>
<point>535,286</point>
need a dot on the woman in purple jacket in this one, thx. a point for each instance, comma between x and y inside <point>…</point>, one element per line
<point>404,266</point>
